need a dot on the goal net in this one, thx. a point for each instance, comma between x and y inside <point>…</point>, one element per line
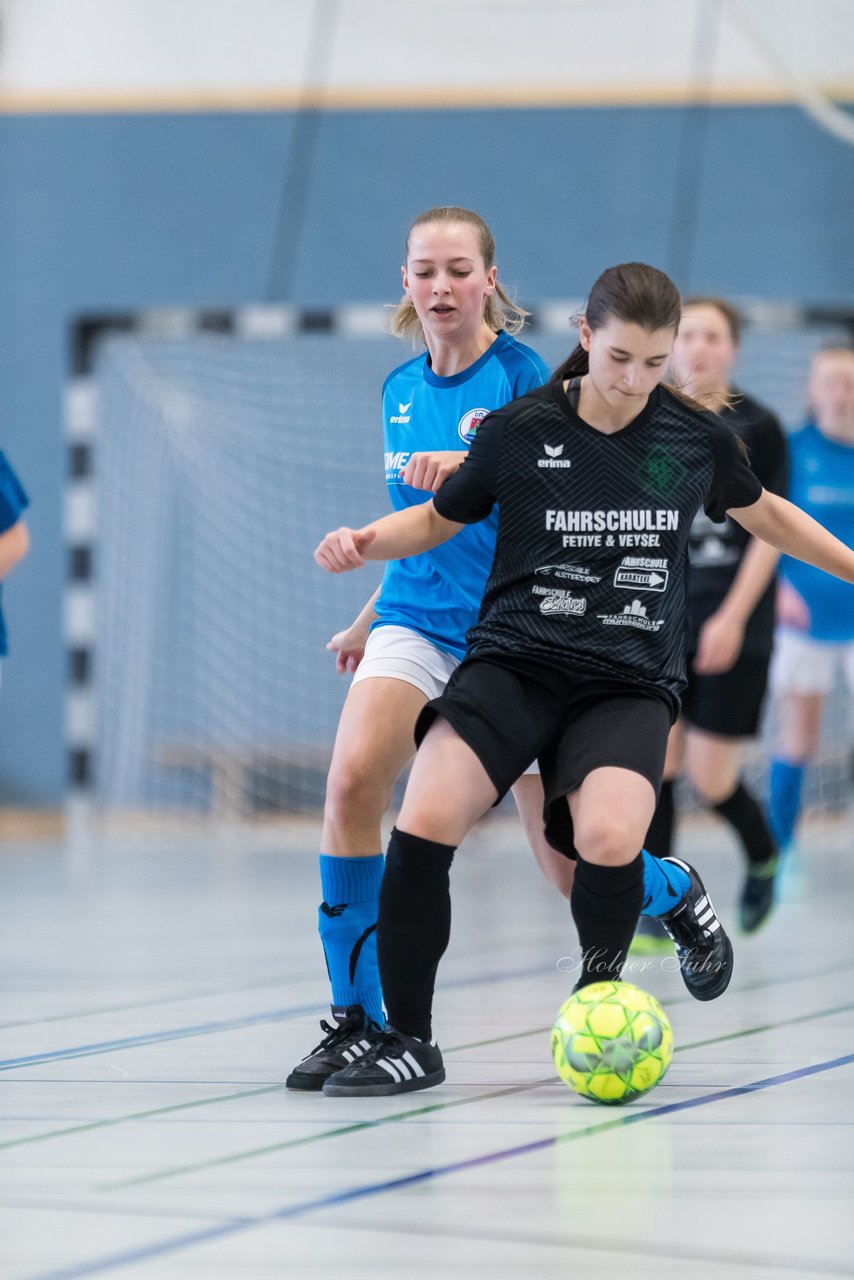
<point>220,459</point>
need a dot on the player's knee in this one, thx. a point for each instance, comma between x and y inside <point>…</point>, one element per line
<point>354,792</point>
<point>713,790</point>
<point>608,839</point>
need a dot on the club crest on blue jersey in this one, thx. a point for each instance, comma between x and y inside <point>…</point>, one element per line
<point>469,424</point>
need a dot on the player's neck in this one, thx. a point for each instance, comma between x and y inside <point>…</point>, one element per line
<point>448,358</point>
<point>599,414</point>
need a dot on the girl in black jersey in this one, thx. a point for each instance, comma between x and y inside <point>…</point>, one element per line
<point>731,589</point>
<point>578,655</point>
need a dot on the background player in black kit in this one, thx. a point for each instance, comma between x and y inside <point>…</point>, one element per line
<point>731,591</point>
<point>576,659</point>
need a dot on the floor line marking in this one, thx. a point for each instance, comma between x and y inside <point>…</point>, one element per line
<point>342,1131</point>
<point>174,1244</point>
<point>235,1024</point>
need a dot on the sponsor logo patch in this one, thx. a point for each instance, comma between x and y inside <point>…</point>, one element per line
<point>641,579</point>
<point>634,615</point>
<point>469,423</point>
<point>569,572</point>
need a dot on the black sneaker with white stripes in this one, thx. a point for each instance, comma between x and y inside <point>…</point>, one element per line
<point>702,946</point>
<point>395,1063</point>
<point>350,1037</point>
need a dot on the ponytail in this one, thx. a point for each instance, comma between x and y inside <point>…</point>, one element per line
<point>576,364</point>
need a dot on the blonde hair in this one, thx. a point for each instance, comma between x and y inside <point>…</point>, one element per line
<point>499,311</point>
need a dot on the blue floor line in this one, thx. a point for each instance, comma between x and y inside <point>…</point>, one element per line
<point>234,1024</point>
<point>175,1244</point>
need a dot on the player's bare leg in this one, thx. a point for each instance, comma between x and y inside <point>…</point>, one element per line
<point>558,869</point>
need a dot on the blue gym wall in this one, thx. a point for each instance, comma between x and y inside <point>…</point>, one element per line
<point>102,213</point>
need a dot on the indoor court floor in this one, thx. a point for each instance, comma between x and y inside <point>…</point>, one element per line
<point>154,1001</point>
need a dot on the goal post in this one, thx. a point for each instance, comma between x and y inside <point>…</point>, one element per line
<point>208,453</point>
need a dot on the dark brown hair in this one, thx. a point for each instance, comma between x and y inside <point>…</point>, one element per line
<point>733,317</point>
<point>632,292</point>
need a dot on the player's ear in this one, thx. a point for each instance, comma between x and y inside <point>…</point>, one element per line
<point>491,280</point>
<point>584,333</point>
<point>404,277</point>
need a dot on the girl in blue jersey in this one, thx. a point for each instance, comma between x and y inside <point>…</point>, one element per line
<point>410,636</point>
<point>815,638</point>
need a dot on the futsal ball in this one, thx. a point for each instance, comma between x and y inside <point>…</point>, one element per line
<point>611,1042</point>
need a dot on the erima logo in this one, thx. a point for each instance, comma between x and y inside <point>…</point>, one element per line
<point>402,416</point>
<point>553,458</point>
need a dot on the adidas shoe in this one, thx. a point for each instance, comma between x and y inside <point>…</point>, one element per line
<point>343,1043</point>
<point>651,939</point>
<point>757,895</point>
<point>395,1063</point>
<point>702,947</point>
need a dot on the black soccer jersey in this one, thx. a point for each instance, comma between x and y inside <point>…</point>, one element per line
<point>715,551</point>
<point>591,559</point>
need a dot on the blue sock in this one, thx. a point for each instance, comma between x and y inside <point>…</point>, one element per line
<point>663,885</point>
<point>347,923</point>
<point>785,800</point>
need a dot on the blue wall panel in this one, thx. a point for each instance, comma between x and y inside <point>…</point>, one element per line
<point>123,212</point>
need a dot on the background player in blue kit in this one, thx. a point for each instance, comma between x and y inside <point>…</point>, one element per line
<point>815,638</point>
<point>410,636</point>
<point>14,538</point>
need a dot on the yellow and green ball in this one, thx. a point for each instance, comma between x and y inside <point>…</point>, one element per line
<point>611,1042</point>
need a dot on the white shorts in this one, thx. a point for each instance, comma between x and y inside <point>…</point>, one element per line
<point>396,653</point>
<point>803,665</point>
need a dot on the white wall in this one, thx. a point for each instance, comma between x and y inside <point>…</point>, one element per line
<point>198,53</point>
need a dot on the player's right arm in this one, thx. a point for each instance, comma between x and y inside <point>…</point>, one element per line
<point>394,537</point>
<point>349,645</point>
<point>466,497</point>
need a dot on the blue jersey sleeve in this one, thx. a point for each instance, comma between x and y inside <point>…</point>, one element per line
<point>13,498</point>
<point>525,370</point>
<point>821,482</point>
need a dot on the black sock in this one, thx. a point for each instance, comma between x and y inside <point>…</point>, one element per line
<point>606,903</point>
<point>413,928</point>
<point>745,815</point>
<point>659,838</point>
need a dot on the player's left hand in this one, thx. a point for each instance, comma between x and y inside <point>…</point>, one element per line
<point>431,470</point>
<point>341,550</point>
<point>718,645</point>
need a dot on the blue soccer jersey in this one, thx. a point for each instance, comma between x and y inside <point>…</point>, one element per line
<point>13,500</point>
<point>439,592</point>
<point>821,482</point>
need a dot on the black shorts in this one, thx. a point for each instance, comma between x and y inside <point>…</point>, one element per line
<point>728,705</point>
<point>571,724</point>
